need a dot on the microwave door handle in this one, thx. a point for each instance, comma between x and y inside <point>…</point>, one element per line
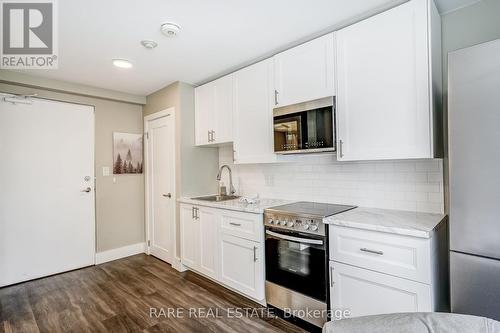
<point>294,239</point>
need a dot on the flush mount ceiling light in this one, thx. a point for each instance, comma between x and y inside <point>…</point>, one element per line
<point>122,63</point>
<point>149,44</point>
<point>170,29</point>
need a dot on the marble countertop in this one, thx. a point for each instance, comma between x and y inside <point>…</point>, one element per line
<point>391,221</point>
<point>236,204</point>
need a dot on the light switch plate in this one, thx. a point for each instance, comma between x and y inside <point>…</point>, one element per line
<point>105,171</point>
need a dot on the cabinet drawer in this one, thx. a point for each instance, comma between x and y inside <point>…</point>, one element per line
<point>246,225</point>
<point>364,292</point>
<point>402,256</point>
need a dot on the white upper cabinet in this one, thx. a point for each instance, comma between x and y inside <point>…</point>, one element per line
<point>214,112</point>
<point>204,110</point>
<point>387,70</point>
<point>253,115</point>
<point>305,72</point>
<point>223,110</point>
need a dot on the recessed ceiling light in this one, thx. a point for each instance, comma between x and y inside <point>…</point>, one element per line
<point>170,29</point>
<point>149,44</point>
<point>122,63</point>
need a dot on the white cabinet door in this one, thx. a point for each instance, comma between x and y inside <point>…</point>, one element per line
<point>214,112</point>
<point>365,292</point>
<point>253,115</point>
<point>383,89</point>
<point>305,72</point>
<point>242,265</point>
<point>223,110</point>
<point>203,113</point>
<point>208,226</point>
<point>190,235</point>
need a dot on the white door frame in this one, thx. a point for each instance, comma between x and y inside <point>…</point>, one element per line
<point>170,112</point>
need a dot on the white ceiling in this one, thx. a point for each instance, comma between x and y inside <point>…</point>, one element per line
<point>217,36</point>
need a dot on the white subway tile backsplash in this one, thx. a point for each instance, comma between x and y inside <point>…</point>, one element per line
<point>415,185</point>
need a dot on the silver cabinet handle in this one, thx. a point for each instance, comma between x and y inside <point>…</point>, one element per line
<point>168,195</point>
<point>235,224</point>
<point>193,215</point>
<point>255,253</point>
<point>209,140</point>
<point>341,143</point>
<point>87,190</point>
<point>276,97</point>
<point>380,253</point>
<point>213,135</point>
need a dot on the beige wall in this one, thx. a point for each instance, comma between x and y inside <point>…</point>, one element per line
<point>196,167</point>
<point>120,206</point>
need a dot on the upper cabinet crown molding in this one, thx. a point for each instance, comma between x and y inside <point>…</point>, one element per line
<point>388,70</point>
<point>305,72</point>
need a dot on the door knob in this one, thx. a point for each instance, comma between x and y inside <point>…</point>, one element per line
<point>168,195</point>
<point>88,189</point>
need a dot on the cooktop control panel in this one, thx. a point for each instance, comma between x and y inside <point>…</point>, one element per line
<point>290,222</point>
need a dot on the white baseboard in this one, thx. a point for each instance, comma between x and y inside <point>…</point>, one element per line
<point>121,252</point>
<point>176,263</point>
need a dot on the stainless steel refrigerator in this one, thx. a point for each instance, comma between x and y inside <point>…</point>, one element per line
<point>474,182</point>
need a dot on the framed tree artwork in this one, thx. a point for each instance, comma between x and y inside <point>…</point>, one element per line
<point>127,153</point>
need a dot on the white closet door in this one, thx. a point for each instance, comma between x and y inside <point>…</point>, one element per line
<point>47,222</point>
<point>161,185</point>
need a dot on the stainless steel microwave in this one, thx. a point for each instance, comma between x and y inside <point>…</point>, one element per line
<point>305,128</point>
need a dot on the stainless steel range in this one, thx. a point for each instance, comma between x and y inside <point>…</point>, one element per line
<point>297,257</point>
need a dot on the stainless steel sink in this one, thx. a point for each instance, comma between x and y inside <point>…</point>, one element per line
<point>217,198</point>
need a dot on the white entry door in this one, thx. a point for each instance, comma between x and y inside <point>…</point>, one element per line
<point>47,222</point>
<point>160,159</point>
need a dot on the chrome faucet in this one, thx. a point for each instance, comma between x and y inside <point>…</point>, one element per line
<point>231,187</point>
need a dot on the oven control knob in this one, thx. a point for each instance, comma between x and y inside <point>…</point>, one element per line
<point>291,224</point>
<point>314,228</point>
<point>277,222</point>
<point>306,226</point>
<point>270,221</point>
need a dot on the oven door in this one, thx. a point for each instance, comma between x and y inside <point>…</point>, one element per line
<point>297,261</point>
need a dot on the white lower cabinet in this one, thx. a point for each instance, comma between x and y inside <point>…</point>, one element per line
<point>242,265</point>
<point>375,272</point>
<point>190,233</point>
<point>208,241</point>
<point>226,246</point>
<point>364,292</point>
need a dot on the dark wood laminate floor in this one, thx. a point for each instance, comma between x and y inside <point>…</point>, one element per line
<point>117,297</point>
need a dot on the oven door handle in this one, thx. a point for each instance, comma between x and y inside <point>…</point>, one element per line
<point>294,239</point>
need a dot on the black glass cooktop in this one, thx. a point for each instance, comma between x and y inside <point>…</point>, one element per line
<point>311,208</point>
